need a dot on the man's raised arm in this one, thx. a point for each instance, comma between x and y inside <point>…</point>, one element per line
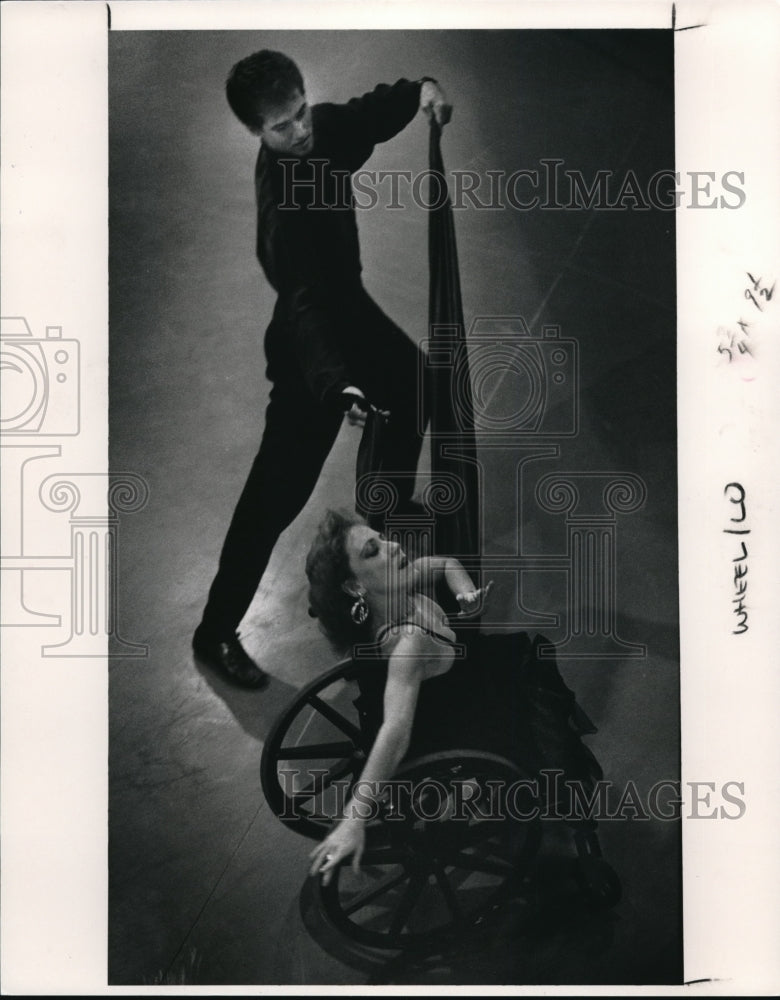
<point>387,109</point>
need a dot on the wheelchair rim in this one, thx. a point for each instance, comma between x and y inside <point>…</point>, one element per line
<point>349,749</point>
<point>417,893</point>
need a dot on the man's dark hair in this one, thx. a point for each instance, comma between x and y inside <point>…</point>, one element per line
<point>263,79</point>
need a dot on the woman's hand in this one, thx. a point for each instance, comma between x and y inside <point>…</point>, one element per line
<point>349,837</point>
<point>473,602</point>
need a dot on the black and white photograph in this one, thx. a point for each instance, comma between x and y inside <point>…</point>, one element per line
<point>241,332</point>
<point>384,565</point>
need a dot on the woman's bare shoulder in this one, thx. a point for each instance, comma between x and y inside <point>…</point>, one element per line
<point>409,640</point>
<point>410,634</point>
<point>418,650</point>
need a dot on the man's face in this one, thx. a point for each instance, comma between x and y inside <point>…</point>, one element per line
<point>287,127</point>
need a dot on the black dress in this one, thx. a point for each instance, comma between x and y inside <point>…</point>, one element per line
<point>502,697</point>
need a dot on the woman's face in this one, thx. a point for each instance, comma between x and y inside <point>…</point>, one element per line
<point>379,566</point>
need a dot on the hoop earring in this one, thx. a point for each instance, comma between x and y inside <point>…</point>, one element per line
<point>359,611</point>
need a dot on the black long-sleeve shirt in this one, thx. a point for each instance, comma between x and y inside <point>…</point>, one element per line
<point>307,238</point>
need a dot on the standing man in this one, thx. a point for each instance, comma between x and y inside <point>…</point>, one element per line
<point>330,349</point>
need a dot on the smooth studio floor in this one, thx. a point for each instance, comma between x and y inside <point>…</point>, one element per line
<point>205,883</point>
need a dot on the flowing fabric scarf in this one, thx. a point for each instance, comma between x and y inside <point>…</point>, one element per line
<point>454,489</point>
<point>454,467</point>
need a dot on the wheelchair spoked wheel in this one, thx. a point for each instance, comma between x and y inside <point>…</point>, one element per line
<point>450,848</point>
<point>315,752</point>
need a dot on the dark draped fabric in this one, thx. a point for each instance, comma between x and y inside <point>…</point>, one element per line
<point>450,404</point>
<point>454,490</point>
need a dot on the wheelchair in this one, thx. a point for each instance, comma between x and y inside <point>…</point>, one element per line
<point>439,860</point>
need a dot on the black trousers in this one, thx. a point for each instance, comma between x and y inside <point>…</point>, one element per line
<point>298,436</point>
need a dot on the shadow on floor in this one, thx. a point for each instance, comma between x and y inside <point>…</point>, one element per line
<point>521,941</point>
<point>254,711</point>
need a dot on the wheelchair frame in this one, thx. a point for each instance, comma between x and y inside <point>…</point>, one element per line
<point>423,879</point>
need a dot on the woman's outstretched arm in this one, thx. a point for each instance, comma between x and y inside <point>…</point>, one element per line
<point>404,675</point>
<point>433,569</point>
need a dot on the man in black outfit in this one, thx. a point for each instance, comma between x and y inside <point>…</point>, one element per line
<point>330,349</point>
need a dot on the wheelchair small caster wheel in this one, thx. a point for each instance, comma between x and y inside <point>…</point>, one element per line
<point>599,881</point>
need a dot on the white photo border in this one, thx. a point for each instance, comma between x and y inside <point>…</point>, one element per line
<point>55,266</point>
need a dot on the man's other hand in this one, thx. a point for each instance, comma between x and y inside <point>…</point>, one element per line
<point>355,406</point>
<point>433,102</point>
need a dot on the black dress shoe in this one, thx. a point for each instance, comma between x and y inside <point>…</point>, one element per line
<point>229,658</point>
